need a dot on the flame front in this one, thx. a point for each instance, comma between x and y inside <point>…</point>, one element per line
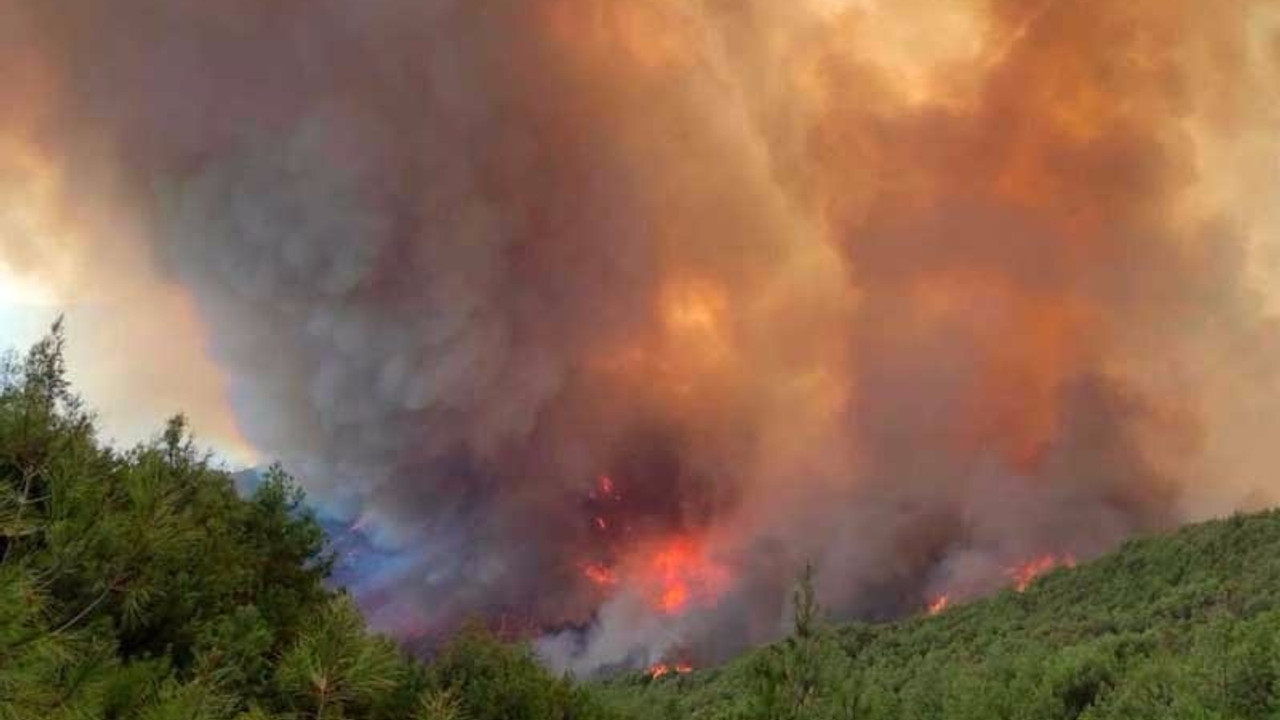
<point>658,670</point>
<point>938,604</point>
<point>673,575</point>
<point>1023,575</point>
<point>680,575</point>
<point>911,290</point>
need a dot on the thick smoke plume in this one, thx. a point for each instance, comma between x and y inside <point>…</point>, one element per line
<point>610,314</point>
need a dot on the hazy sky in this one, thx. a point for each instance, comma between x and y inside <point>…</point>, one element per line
<point>21,315</point>
<point>809,280</point>
<point>131,392</point>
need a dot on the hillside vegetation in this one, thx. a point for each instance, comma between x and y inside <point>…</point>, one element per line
<point>1180,626</point>
<point>137,584</point>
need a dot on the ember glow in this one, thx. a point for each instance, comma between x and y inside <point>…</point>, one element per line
<point>679,574</point>
<point>606,489</point>
<point>600,575</point>
<point>662,669</point>
<point>938,604</point>
<point>673,575</point>
<point>610,315</point>
<point>1024,574</point>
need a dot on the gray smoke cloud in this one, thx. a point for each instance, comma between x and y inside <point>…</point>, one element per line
<point>797,291</point>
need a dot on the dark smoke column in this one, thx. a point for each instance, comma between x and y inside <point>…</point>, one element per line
<point>923,314</point>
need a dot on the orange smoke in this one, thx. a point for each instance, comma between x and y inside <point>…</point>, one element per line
<point>903,287</point>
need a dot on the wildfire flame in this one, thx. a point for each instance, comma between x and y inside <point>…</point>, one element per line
<point>867,263</point>
<point>671,571</point>
<point>600,575</point>
<point>660,669</point>
<point>680,573</point>
<point>673,576</point>
<point>938,604</point>
<point>1024,574</point>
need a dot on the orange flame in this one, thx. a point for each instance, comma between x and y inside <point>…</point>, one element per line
<point>660,669</point>
<point>600,575</point>
<point>673,599</point>
<point>672,576</point>
<point>680,573</point>
<point>1024,574</point>
<point>938,604</point>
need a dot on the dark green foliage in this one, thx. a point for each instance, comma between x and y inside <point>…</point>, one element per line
<point>805,676</point>
<point>491,680</point>
<point>1182,626</point>
<point>337,670</point>
<point>138,585</point>
<point>806,615</point>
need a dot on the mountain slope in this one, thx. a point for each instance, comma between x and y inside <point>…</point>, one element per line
<point>1179,626</point>
<point>140,584</point>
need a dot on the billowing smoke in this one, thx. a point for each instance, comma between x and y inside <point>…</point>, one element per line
<point>610,314</point>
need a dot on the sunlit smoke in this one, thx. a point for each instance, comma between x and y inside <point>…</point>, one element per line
<point>606,316</point>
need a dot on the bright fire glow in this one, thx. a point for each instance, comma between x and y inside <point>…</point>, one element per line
<point>938,604</point>
<point>660,669</point>
<point>680,573</point>
<point>672,576</point>
<point>1024,574</point>
<point>600,575</point>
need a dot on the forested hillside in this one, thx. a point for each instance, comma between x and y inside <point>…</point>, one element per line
<point>138,584</point>
<point>1183,626</point>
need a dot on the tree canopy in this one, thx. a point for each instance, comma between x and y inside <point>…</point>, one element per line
<point>1179,626</point>
<point>139,584</point>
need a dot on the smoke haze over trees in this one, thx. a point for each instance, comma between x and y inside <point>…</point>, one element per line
<point>610,314</point>
<point>137,585</point>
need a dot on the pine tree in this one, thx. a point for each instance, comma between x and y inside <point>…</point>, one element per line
<point>806,615</point>
<point>336,669</point>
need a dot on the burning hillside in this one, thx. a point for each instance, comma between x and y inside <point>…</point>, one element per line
<point>609,314</point>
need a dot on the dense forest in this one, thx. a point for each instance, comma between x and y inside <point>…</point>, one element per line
<point>138,584</point>
<point>1177,627</point>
